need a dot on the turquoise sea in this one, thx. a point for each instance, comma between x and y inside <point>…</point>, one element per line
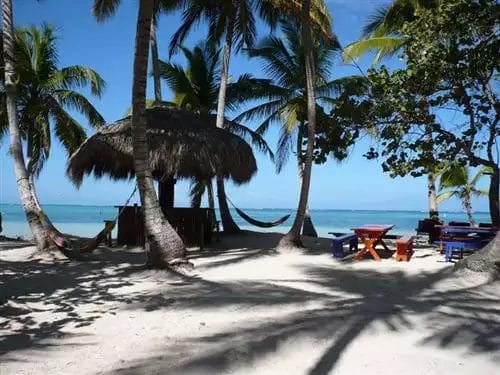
<point>88,220</point>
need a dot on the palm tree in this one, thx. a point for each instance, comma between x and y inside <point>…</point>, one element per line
<point>164,246</point>
<point>233,21</point>
<point>25,194</point>
<point>456,179</point>
<point>383,34</point>
<point>196,88</point>
<point>285,95</point>
<point>44,92</point>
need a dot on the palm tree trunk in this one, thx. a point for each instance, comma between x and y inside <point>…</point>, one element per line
<point>227,221</point>
<point>155,61</point>
<point>308,226</point>
<point>431,181</point>
<point>163,244</point>
<point>43,239</point>
<point>493,197</point>
<point>25,193</point>
<point>468,209</point>
<point>432,196</point>
<point>486,260</point>
<point>292,238</point>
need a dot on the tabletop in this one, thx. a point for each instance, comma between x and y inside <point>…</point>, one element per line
<point>375,227</point>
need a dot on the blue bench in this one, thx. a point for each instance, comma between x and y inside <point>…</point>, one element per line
<point>338,241</point>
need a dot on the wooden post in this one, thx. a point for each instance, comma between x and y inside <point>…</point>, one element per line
<point>166,190</point>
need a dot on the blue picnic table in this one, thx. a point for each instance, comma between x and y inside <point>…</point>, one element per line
<point>460,238</point>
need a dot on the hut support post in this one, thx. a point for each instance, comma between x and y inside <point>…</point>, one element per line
<point>166,188</point>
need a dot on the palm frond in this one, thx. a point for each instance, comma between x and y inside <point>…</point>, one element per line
<point>283,150</point>
<point>480,174</point>
<point>191,16</point>
<point>103,9</point>
<point>441,197</point>
<point>78,77</point>
<point>375,21</point>
<point>385,46</point>
<point>250,136</point>
<point>453,176</point>
<point>76,101</point>
<point>69,132</point>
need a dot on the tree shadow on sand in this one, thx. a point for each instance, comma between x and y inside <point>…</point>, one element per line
<point>331,305</point>
<point>60,287</point>
<point>349,301</point>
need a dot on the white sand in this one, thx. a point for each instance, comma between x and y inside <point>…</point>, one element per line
<point>249,310</point>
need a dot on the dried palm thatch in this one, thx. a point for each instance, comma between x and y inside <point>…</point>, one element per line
<point>180,144</point>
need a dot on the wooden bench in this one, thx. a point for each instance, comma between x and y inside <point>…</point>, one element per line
<point>404,248</point>
<point>338,242</point>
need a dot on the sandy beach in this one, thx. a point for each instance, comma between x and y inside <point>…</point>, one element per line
<point>247,309</point>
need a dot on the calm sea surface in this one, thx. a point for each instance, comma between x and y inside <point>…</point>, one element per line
<point>88,220</point>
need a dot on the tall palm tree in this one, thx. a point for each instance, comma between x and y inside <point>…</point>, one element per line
<point>25,194</point>
<point>44,94</point>
<point>164,246</point>
<point>456,181</point>
<point>383,34</point>
<point>292,238</point>
<point>285,94</point>
<point>233,21</point>
<point>196,88</point>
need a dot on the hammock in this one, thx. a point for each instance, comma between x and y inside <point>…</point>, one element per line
<point>65,244</point>
<point>78,245</point>
<point>257,223</point>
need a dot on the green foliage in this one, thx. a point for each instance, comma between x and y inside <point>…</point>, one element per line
<point>455,181</point>
<point>452,58</point>
<point>283,98</point>
<point>384,31</point>
<point>46,92</point>
<point>235,20</point>
<point>195,88</point>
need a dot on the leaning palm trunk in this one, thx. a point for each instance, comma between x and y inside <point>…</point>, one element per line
<point>308,226</point>
<point>431,181</point>
<point>468,209</point>
<point>225,215</point>
<point>163,244</point>
<point>292,238</point>
<point>23,182</point>
<point>227,221</point>
<point>431,189</point>
<point>155,61</point>
<point>486,260</point>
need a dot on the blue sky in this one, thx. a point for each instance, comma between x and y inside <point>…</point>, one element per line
<point>108,48</point>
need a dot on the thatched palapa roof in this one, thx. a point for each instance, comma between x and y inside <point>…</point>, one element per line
<point>180,144</point>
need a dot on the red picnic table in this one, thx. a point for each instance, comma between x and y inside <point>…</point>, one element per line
<point>371,235</point>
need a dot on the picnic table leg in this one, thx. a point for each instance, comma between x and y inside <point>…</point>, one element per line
<point>384,245</point>
<point>368,248</point>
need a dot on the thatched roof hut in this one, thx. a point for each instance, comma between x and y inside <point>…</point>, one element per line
<point>180,143</point>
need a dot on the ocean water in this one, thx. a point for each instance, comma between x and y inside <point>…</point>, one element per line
<point>88,220</point>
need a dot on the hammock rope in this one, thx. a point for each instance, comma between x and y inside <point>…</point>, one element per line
<point>65,244</point>
<point>257,223</point>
